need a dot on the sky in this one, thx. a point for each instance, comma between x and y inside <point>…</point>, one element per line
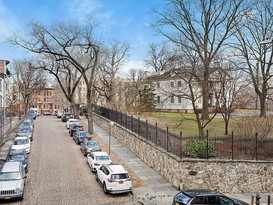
<point>120,20</point>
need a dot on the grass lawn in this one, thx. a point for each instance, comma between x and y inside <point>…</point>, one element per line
<point>186,123</point>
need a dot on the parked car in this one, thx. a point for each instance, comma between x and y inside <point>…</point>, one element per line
<point>26,123</point>
<point>47,113</point>
<point>79,136</point>
<point>21,143</point>
<point>18,156</point>
<point>88,146</point>
<point>97,159</point>
<point>66,116</point>
<point>114,178</point>
<point>12,180</point>
<point>25,132</point>
<point>75,127</point>
<point>59,113</point>
<point>32,114</point>
<point>71,121</point>
<point>204,196</point>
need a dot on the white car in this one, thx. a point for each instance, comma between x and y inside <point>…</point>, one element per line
<point>12,181</point>
<point>71,121</point>
<point>21,143</point>
<point>114,178</point>
<point>97,159</point>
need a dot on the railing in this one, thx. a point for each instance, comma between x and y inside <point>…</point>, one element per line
<point>231,147</point>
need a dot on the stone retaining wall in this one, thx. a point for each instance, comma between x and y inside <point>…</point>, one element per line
<point>224,175</point>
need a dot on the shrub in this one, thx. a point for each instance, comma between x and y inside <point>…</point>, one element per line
<point>198,148</point>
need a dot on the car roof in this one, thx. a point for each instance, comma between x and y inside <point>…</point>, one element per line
<point>116,168</point>
<point>198,192</point>
<point>100,153</point>
<point>11,166</point>
<point>19,151</point>
<point>20,137</point>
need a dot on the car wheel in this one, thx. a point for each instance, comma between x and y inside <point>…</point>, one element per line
<point>105,189</point>
<point>97,179</point>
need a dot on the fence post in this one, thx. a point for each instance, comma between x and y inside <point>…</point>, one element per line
<point>156,133</point>
<point>207,144</point>
<point>256,148</point>
<point>180,144</point>
<point>167,139</point>
<point>232,148</point>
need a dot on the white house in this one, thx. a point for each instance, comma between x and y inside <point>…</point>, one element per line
<point>172,91</point>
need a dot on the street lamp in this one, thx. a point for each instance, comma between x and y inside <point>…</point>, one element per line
<point>111,123</point>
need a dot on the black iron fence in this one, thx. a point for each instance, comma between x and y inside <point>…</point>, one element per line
<point>232,147</point>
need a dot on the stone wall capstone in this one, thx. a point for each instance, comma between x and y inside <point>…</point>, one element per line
<point>223,175</point>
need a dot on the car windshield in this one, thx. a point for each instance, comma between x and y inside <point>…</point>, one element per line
<point>102,158</point>
<point>25,130</point>
<point>84,134</point>
<point>16,157</point>
<point>182,198</point>
<point>26,123</point>
<point>120,176</point>
<point>6,176</point>
<point>20,141</point>
<point>92,144</point>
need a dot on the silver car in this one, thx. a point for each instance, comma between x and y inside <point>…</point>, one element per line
<point>12,180</point>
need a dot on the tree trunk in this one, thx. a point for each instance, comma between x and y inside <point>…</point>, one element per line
<point>89,107</point>
<point>205,94</point>
<point>262,105</point>
<point>226,126</point>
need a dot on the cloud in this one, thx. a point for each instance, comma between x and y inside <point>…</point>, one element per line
<point>83,7</point>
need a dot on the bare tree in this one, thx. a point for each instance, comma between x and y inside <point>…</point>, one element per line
<point>158,57</point>
<point>66,76</point>
<point>28,79</point>
<point>255,59</point>
<point>132,91</point>
<point>228,84</point>
<point>111,60</point>
<point>68,41</point>
<point>201,27</point>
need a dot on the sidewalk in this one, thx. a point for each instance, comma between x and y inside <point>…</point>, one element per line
<point>158,190</point>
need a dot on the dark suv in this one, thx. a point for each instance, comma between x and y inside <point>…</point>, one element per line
<point>66,116</point>
<point>204,196</point>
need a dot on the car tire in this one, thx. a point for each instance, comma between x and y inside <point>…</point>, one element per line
<point>105,190</point>
<point>97,179</point>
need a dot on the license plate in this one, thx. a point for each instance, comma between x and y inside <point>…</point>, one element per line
<point>7,197</point>
<point>176,203</point>
<point>121,182</point>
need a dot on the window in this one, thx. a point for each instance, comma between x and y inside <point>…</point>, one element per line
<point>179,99</point>
<point>158,99</point>
<point>172,99</point>
<point>179,84</point>
<point>172,84</point>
